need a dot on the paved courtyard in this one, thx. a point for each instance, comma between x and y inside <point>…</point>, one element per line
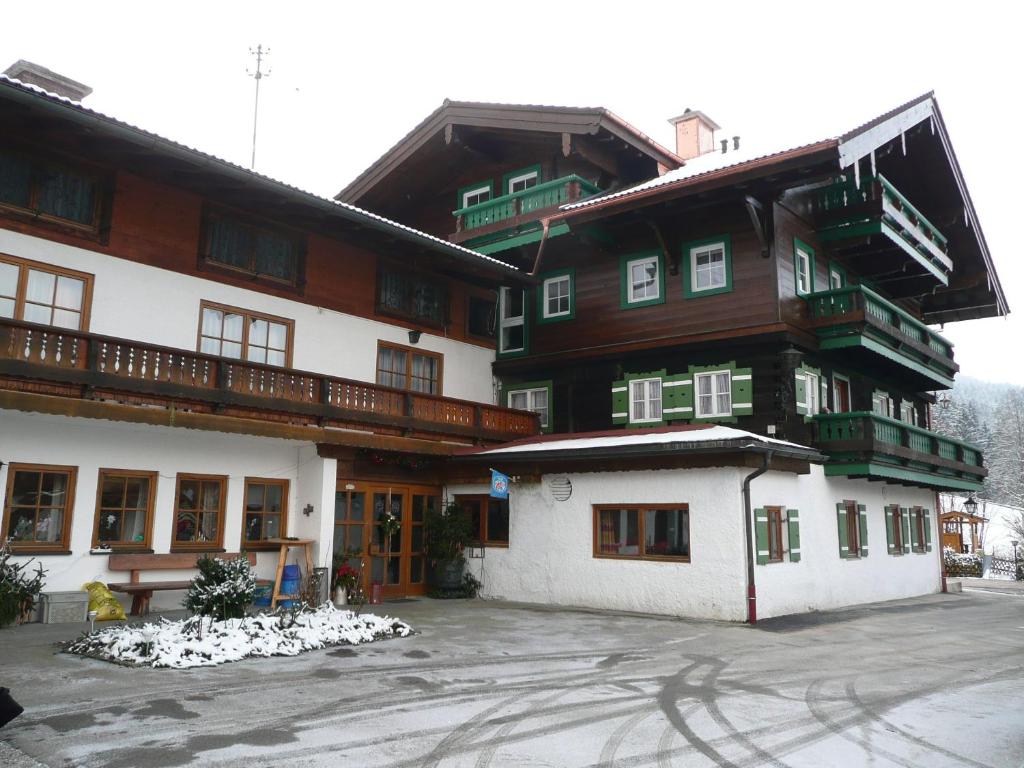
<point>937,681</point>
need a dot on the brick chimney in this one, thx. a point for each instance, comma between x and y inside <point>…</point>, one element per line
<point>48,80</point>
<point>695,134</point>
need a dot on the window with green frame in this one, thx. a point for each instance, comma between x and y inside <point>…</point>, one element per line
<point>533,396</point>
<point>556,296</point>
<point>803,265</point>
<point>520,180</point>
<point>642,280</point>
<point>707,267</point>
<point>836,276</point>
<point>474,194</point>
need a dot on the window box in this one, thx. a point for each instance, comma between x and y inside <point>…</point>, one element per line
<point>707,267</point>
<point>237,244</point>
<point>404,367</point>
<point>642,278</point>
<point>240,334</point>
<point>642,532</point>
<point>38,507</point>
<point>124,509</point>
<point>40,293</point>
<point>556,296</point>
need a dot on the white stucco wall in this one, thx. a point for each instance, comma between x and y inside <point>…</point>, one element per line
<point>143,303</point>
<point>550,555</point>
<point>822,580</point>
<point>91,444</point>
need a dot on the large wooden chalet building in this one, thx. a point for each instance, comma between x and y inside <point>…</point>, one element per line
<point>707,370</point>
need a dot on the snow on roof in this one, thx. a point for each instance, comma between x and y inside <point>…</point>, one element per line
<point>694,435</point>
<point>320,199</point>
<point>694,167</point>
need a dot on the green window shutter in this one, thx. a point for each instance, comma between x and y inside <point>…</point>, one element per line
<point>742,392</point>
<point>928,530</point>
<point>844,544</point>
<point>914,543</point>
<point>761,534</point>
<point>677,397</point>
<point>801,393</point>
<point>863,517</point>
<point>620,402</point>
<point>906,529</point>
<point>889,545</point>
<point>793,526</point>
<point>823,399</point>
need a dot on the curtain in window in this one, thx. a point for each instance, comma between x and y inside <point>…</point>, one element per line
<point>426,301</point>
<point>15,180</point>
<point>230,243</point>
<point>424,374</point>
<point>275,256</point>
<point>67,195</point>
<point>393,291</point>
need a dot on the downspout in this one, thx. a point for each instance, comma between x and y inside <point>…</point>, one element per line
<point>749,534</point>
<point>938,539</point>
<point>540,249</point>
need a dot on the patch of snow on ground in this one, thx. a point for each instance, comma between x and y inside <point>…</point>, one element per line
<point>203,642</point>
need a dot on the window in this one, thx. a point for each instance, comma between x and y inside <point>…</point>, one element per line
<point>556,300</point>
<point>38,507</point>
<point>812,391</point>
<point>642,532</point>
<point>38,293</point>
<point>803,257</point>
<point>266,512</point>
<point>124,509</point>
<point>897,530</point>
<point>536,398</point>
<point>252,249</point>
<point>644,400</point>
<point>881,403</point>
<point>512,320</point>
<point>408,368</point>
<point>475,195</point>
<point>714,394</point>
<point>199,512</point>
<point>350,523</point>
<point>853,529</point>
<point>918,526</point>
<point>481,316</point>
<point>51,191</point>
<point>836,277</point>
<point>775,548</point>
<point>908,413</point>
<point>708,268</point>
<point>643,281</point>
<point>488,519</point>
<point>841,394</point>
<point>412,296</point>
<point>523,179</point>
<point>244,335</point>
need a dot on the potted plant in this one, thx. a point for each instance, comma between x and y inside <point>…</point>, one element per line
<point>19,588</point>
<point>346,578</point>
<point>446,533</point>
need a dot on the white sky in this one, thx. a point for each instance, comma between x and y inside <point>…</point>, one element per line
<point>349,79</point>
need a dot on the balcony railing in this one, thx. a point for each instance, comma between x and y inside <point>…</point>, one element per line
<point>870,445</point>
<point>518,207</point>
<point>41,353</point>
<point>842,315</point>
<point>877,207</point>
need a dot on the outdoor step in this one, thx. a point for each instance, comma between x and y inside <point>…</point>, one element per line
<point>954,585</point>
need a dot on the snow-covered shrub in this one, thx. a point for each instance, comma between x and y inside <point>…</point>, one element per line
<point>961,565</point>
<point>223,589</point>
<point>19,587</point>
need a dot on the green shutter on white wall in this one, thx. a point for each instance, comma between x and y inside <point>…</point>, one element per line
<point>801,392</point>
<point>620,402</point>
<point>863,518</point>
<point>761,535</point>
<point>928,530</point>
<point>889,544</point>
<point>742,391</point>
<point>844,548</point>
<point>914,543</point>
<point>905,516</point>
<point>677,397</point>
<point>793,526</point>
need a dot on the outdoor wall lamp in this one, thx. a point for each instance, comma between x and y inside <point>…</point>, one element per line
<point>414,336</point>
<point>307,510</point>
<point>970,506</point>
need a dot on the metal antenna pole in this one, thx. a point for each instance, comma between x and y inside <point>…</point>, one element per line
<point>258,75</point>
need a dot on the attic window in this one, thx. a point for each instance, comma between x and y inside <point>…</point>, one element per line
<point>252,249</point>
<point>476,196</point>
<point>50,191</point>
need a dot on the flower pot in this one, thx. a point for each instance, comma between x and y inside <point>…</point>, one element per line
<point>449,575</point>
<point>340,597</point>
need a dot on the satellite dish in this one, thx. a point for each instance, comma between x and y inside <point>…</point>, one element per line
<point>561,488</point>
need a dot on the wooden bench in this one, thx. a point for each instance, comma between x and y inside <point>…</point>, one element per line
<point>142,591</point>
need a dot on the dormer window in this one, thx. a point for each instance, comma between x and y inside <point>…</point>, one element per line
<point>476,196</point>
<point>520,181</point>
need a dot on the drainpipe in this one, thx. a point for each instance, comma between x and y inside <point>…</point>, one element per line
<point>540,249</point>
<point>749,534</point>
<point>938,543</point>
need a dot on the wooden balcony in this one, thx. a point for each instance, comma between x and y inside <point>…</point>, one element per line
<point>858,320</point>
<point>505,221</point>
<point>50,361</point>
<point>862,444</point>
<point>872,224</point>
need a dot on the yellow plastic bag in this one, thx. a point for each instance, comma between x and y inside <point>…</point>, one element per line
<point>102,600</point>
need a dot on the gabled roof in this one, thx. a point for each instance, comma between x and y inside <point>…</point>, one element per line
<point>528,117</point>
<point>159,145</point>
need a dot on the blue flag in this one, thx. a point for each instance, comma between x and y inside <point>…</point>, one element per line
<point>499,485</point>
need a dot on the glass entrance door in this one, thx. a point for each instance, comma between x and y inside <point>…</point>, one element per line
<point>388,551</point>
